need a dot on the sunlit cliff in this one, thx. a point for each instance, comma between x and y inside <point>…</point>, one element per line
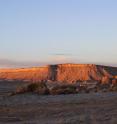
<point>60,72</point>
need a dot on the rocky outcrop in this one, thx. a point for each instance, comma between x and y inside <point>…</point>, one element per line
<point>61,72</point>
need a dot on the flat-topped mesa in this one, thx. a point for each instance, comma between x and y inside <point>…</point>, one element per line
<point>74,72</point>
<point>23,69</point>
<point>31,74</point>
<point>60,72</point>
<point>77,65</point>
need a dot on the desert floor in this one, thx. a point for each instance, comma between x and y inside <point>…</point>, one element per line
<point>93,108</point>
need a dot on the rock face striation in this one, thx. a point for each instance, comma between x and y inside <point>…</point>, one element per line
<point>61,72</point>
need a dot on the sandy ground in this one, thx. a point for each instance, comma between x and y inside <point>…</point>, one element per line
<point>94,108</point>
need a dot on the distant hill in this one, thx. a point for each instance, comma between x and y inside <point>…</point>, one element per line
<point>61,72</point>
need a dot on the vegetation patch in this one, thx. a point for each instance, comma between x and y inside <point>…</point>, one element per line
<point>39,88</point>
<point>64,89</point>
<point>42,88</point>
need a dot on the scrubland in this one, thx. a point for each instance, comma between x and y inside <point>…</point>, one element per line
<point>32,108</point>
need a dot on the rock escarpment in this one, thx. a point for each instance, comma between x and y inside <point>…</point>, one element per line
<point>60,72</point>
<point>82,72</point>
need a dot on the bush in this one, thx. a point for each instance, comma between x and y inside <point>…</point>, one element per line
<point>114,87</point>
<point>39,88</point>
<point>21,90</point>
<point>64,89</point>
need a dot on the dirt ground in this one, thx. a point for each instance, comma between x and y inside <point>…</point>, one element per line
<point>93,108</point>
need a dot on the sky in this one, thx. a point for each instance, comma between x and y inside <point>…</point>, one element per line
<point>40,32</point>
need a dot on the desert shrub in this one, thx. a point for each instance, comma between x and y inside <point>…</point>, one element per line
<point>19,90</point>
<point>64,89</point>
<point>114,88</point>
<point>114,81</point>
<point>82,89</point>
<point>97,88</point>
<point>33,86</point>
<point>39,88</point>
<point>104,86</point>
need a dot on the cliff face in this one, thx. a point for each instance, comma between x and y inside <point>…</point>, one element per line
<point>61,72</point>
<point>73,72</point>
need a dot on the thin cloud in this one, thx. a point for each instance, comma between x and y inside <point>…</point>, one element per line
<point>61,54</point>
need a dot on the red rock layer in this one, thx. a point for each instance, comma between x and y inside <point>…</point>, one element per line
<point>33,74</point>
<point>61,72</point>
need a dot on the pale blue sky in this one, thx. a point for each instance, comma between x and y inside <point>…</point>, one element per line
<point>51,31</point>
